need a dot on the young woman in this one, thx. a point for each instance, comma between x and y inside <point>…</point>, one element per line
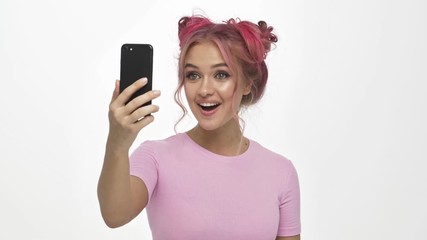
<point>210,182</point>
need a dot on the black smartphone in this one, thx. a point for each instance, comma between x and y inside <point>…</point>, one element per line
<point>136,62</point>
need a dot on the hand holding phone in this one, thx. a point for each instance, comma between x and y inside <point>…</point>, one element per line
<point>128,118</point>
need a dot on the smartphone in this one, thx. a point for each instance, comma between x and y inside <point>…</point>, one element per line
<point>136,62</point>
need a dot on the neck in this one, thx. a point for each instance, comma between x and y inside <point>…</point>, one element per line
<point>227,140</point>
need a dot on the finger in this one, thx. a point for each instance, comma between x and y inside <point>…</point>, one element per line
<point>144,122</point>
<point>142,112</point>
<point>125,95</point>
<point>116,91</point>
<point>141,100</point>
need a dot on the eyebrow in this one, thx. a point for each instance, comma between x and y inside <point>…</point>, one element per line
<point>213,66</point>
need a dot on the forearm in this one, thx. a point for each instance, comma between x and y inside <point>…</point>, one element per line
<point>114,191</point>
<point>120,197</point>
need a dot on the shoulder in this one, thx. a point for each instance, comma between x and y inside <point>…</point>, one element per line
<point>276,165</point>
<point>154,147</point>
<point>166,142</point>
<point>262,152</point>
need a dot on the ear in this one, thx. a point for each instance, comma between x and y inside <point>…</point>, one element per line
<point>247,89</point>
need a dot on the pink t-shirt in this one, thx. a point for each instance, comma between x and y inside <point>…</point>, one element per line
<point>197,194</point>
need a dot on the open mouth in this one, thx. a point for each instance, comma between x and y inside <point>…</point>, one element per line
<point>209,106</point>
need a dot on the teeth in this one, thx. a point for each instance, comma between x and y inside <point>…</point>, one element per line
<point>208,104</point>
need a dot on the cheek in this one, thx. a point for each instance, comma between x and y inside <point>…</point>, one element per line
<point>226,89</point>
<point>187,90</point>
<point>186,93</point>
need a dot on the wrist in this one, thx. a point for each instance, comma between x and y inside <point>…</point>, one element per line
<point>113,148</point>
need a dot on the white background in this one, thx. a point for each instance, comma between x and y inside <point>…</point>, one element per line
<point>346,102</point>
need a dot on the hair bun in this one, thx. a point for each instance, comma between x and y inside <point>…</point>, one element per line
<point>187,25</point>
<point>258,38</point>
<point>266,32</point>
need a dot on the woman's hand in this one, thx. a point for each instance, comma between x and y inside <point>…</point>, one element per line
<point>126,120</point>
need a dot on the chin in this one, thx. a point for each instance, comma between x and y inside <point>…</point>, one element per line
<point>213,125</point>
<point>208,127</point>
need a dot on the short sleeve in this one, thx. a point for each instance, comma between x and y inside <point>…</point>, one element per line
<point>143,165</point>
<point>290,220</point>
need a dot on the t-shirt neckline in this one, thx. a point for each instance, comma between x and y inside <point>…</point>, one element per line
<point>210,154</point>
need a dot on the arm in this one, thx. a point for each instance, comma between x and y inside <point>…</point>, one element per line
<point>297,237</point>
<point>121,196</point>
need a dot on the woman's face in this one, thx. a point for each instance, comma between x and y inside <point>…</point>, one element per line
<point>209,86</point>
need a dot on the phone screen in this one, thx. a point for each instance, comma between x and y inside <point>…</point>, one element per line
<point>136,62</point>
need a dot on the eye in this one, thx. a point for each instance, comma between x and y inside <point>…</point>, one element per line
<point>192,76</point>
<point>222,75</point>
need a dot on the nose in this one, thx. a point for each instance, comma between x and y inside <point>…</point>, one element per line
<point>206,88</point>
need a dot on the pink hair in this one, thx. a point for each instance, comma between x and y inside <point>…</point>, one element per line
<point>243,45</point>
